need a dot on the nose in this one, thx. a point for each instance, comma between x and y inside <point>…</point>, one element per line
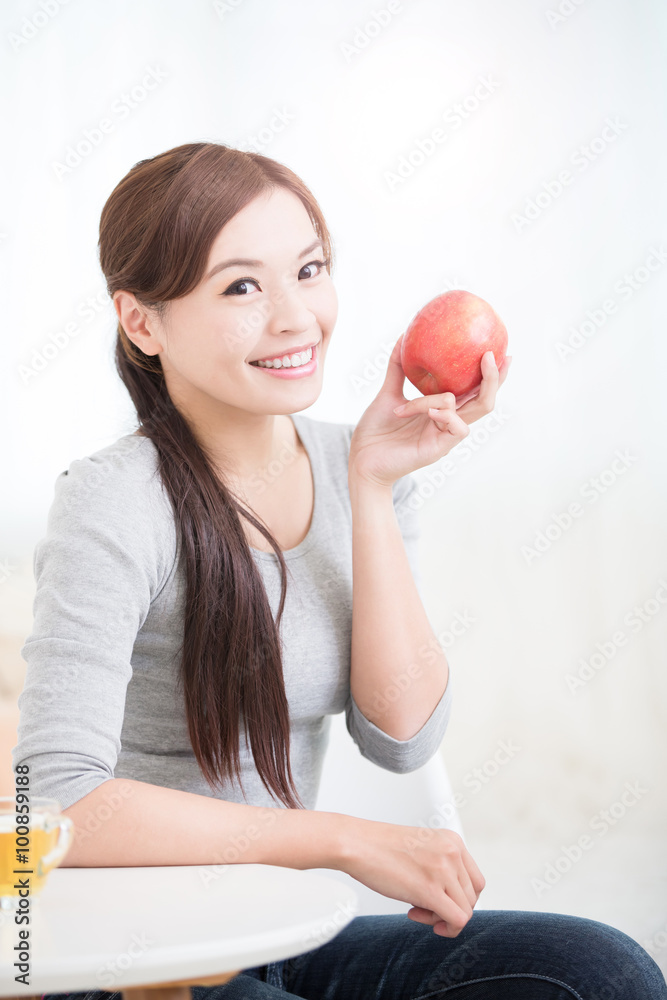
<point>288,311</point>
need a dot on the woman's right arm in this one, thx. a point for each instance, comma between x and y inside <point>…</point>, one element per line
<point>125,823</point>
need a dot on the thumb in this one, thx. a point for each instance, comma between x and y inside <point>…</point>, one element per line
<point>395,377</point>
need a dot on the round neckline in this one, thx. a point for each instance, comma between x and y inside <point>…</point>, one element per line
<point>306,542</point>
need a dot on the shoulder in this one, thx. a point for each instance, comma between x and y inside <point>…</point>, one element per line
<point>130,462</point>
<point>117,481</point>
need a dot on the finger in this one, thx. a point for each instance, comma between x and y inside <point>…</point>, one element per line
<point>448,913</point>
<point>440,926</point>
<point>441,400</point>
<point>423,916</point>
<point>476,877</point>
<point>460,400</point>
<point>490,380</point>
<point>502,375</point>
<point>465,899</point>
<point>444,929</point>
<point>474,408</point>
<point>394,380</point>
<point>448,420</point>
<point>466,884</point>
<point>494,376</point>
<point>456,892</point>
<point>452,918</point>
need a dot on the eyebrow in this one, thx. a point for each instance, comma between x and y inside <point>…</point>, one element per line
<point>247,262</point>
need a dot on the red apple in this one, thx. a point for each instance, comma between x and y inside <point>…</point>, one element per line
<point>443,347</point>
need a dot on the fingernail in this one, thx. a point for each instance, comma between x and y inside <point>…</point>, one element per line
<point>399,409</point>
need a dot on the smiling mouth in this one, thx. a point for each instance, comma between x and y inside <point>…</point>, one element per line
<point>294,359</point>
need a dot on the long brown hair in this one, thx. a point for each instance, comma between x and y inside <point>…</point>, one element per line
<point>156,231</point>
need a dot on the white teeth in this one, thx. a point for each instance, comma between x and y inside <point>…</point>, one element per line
<point>288,360</point>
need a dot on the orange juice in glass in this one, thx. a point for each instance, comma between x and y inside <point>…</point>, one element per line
<point>33,841</point>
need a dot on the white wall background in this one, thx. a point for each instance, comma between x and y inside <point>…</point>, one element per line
<point>353,111</point>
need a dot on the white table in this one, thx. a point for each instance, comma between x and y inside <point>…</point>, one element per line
<point>153,932</point>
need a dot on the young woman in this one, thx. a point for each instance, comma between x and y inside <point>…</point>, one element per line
<point>165,627</point>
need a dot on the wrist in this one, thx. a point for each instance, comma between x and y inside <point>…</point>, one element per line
<point>308,838</point>
<point>339,836</point>
<point>363,485</point>
<point>352,838</point>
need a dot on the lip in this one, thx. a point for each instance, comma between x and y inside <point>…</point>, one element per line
<point>302,372</point>
<point>292,350</point>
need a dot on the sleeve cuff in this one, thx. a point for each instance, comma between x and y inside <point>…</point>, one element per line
<point>400,756</point>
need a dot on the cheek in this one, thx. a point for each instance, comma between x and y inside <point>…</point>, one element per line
<point>199,338</point>
<point>328,312</point>
<point>188,352</point>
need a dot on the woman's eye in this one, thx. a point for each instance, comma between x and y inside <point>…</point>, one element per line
<point>239,284</point>
<point>321,264</point>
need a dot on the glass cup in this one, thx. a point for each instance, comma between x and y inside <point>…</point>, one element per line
<point>32,843</point>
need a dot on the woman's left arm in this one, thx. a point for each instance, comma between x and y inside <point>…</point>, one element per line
<point>393,644</point>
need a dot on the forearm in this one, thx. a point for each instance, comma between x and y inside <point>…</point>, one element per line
<point>151,825</point>
<point>393,644</point>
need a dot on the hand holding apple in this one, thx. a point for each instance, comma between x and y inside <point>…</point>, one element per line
<point>442,349</point>
<point>454,353</point>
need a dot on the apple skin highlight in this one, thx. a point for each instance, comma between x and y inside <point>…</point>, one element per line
<point>444,344</point>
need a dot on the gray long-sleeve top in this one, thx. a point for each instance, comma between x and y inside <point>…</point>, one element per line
<point>100,698</point>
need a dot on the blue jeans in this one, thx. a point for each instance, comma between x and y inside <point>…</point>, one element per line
<point>499,955</point>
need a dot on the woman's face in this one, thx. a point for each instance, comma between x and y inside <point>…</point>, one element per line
<point>281,300</point>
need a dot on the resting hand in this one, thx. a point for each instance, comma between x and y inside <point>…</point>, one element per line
<point>431,866</point>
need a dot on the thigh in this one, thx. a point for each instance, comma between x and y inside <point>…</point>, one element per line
<point>499,955</point>
<point>259,983</point>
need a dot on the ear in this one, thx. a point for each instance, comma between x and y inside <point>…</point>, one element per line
<point>140,325</point>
